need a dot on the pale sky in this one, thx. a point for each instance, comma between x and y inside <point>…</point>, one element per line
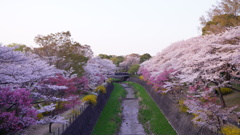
<point>116,27</point>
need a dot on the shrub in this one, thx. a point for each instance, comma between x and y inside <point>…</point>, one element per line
<point>225,91</point>
<point>92,99</point>
<point>182,106</point>
<point>109,80</point>
<point>101,88</point>
<point>39,116</point>
<point>74,111</point>
<point>196,117</point>
<point>230,130</point>
<point>60,105</point>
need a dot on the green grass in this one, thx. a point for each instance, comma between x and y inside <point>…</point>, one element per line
<point>110,118</point>
<point>149,114</point>
<point>115,79</point>
<point>232,99</point>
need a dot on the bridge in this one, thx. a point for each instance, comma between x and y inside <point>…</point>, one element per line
<point>122,76</point>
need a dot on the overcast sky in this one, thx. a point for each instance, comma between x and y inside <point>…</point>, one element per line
<point>116,27</point>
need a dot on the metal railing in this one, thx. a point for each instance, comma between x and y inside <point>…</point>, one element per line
<point>77,112</point>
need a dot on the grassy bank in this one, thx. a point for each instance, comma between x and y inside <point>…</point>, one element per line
<point>150,116</point>
<point>110,118</point>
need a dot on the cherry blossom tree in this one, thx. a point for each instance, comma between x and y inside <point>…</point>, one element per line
<point>145,73</point>
<point>25,70</point>
<point>16,109</point>
<point>52,117</point>
<point>203,57</point>
<point>27,80</point>
<point>162,80</point>
<point>58,94</point>
<point>82,83</point>
<point>201,102</point>
<point>22,83</point>
<point>129,61</point>
<point>212,60</point>
<point>97,71</point>
<point>60,88</point>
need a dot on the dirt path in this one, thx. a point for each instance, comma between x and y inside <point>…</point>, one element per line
<point>43,129</point>
<point>130,124</point>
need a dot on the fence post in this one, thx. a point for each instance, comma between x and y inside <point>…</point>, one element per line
<point>58,131</point>
<point>62,128</point>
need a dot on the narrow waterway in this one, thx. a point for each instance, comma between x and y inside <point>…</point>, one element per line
<point>130,124</point>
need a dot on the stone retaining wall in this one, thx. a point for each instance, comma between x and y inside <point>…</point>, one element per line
<point>181,122</point>
<point>84,124</point>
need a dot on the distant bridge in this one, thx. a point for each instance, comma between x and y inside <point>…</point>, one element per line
<point>122,76</point>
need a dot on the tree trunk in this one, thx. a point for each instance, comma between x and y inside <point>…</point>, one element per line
<point>219,124</point>
<point>221,98</point>
<point>220,95</point>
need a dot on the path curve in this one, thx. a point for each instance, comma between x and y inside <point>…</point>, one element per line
<point>130,123</point>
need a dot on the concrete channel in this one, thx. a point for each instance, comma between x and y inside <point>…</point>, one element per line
<point>130,124</point>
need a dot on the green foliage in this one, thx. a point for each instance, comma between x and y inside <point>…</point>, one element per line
<point>133,69</point>
<point>110,118</point>
<point>117,59</point>
<point>221,16</point>
<point>20,47</point>
<point>76,63</point>
<point>116,79</point>
<point>133,55</point>
<point>145,57</point>
<point>219,23</point>
<point>105,56</point>
<point>61,51</point>
<point>150,116</point>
